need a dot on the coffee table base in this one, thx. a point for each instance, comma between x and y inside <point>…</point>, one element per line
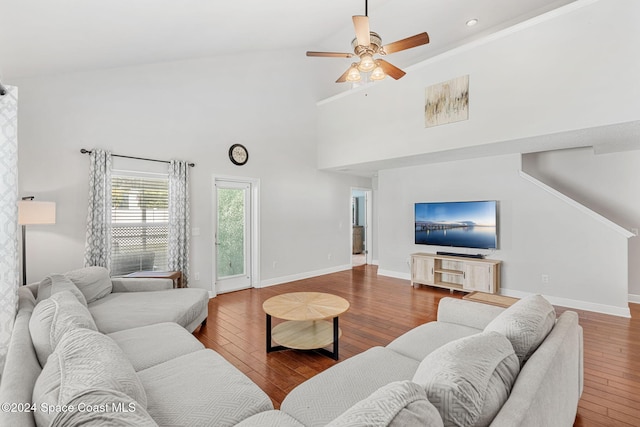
<point>304,335</point>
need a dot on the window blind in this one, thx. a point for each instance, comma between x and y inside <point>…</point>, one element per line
<point>139,220</point>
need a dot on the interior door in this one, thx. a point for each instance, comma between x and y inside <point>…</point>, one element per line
<point>361,217</point>
<point>233,235</point>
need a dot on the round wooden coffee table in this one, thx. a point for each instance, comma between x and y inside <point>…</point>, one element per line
<point>305,327</point>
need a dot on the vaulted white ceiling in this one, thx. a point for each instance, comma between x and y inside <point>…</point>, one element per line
<point>44,37</point>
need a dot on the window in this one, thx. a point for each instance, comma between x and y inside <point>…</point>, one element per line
<point>139,222</point>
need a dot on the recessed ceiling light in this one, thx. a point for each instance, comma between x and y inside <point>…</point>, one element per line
<point>472,22</point>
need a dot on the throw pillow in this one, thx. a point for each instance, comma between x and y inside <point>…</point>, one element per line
<point>469,379</point>
<point>526,324</point>
<point>107,407</point>
<point>84,360</point>
<point>52,318</point>
<point>58,283</point>
<point>397,404</point>
<point>93,282</point>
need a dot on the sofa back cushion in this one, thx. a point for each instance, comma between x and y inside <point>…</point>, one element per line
<point>52,318</point>
<point>397,404</point>
<point>526,324</point>
<point>57,283</point>
<point>469,379</point>
<point>82,361</point>
<point>93,282</point>
<point>21,367</point>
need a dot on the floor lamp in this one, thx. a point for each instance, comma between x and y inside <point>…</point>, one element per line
<point>31,212</point>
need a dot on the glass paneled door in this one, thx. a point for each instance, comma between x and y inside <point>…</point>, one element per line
<point>233,235</point>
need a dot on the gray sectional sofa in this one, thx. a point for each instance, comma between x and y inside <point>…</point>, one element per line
<point>477,365</point>
<point>89,350</point>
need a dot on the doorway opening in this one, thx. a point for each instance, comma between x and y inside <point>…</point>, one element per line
<point>360,226</point>
<point>235,234</point>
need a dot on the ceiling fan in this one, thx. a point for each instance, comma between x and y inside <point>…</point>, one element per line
<point>366,45</point>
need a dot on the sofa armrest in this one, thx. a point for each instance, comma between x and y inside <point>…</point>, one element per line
<point>131,284</point>
<point>467,313</point>
<point>548,388</point>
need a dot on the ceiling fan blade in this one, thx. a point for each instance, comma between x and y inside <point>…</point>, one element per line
<point>361,24</point>
<point>408,43</point>
<point>330,54</point>
<point>390,69</point>
<point>343,78</point>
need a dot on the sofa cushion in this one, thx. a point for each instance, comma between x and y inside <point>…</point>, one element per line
<point>469,379</point>
<point>322,398</point>
<point>424,339</point>
<point>118,311</point>
<point>84,360</point>
<point>151,345</point>
<point>526,324</point>
<point>103,407</point>
<point>397,404</point>
<point>58,283</point>
<point>272,418</point>
<point>21,366</point>
<point>93,282</point>
<point>201,386</point>
<point>53,317</point>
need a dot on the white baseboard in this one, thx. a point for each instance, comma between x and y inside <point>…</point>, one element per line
<point>564,302</point>
<point>394,274</point>
<point>304,275</point>
<point>572,303</point>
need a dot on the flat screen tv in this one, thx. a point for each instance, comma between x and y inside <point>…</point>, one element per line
<point>458,224</point>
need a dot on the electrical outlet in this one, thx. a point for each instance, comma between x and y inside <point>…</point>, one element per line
<point>545,278</point>
<point>196,276</point>
<point>329,257</point>
<point>275,264</point>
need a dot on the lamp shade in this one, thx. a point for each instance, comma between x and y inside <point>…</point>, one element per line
<point>366,63</point>
<point>354,74</point>
<point>32,212</point>
<point>378,73</point>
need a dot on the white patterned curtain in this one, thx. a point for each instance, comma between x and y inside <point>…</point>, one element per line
<point>179,219</point>
<point>98,243</point>
<point>9,270</point>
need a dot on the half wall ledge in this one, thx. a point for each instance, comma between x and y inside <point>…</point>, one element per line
<point>582,208</point>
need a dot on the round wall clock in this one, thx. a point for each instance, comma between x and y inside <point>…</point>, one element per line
<point>238,154</point>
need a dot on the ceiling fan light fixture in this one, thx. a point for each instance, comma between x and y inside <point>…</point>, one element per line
<point>354,74</point>
<point>366,63</point>
<point>378,73</point>
<point>365,45</point>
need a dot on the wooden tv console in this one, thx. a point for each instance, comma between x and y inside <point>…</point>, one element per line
<point>455,273</point>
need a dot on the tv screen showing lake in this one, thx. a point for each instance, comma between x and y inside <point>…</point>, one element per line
<point>467,237</point>
<point>460,224</point>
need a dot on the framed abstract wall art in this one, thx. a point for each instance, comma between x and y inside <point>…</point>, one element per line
<point>447,102</point>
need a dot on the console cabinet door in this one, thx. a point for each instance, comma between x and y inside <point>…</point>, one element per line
<point>422,270</point>
<point>479,277</point>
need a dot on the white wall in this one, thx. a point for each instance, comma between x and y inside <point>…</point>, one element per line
<point>565,73</point>
<point>191,110</point>
<point>606,183</point>
<point>586,260</point>
<point>573,68</point>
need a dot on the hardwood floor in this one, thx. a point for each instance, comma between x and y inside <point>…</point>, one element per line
<point>383,308</point>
